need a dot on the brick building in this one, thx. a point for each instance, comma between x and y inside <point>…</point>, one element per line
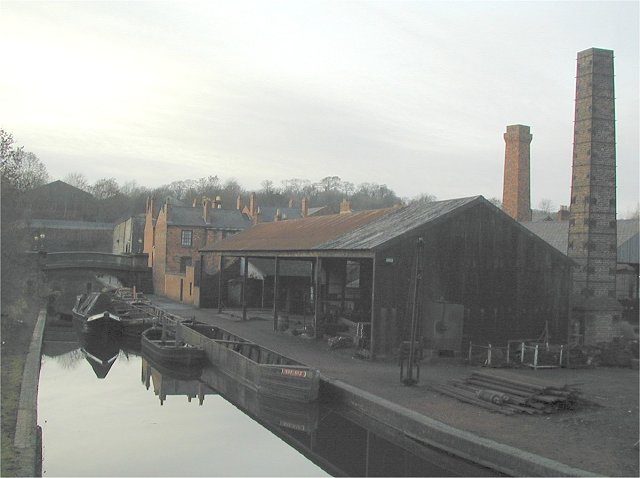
<point>172,238</point>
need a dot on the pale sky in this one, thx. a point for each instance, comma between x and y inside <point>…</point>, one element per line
<point>415,95</point>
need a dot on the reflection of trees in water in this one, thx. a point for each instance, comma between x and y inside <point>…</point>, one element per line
<point>70,359</point>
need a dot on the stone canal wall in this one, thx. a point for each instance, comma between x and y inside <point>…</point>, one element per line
<point>26,439</point>
<point>496,456</point>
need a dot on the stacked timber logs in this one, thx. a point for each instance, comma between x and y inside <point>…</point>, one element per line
<point>511,394</point>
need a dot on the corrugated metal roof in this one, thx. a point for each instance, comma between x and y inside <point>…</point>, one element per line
<point>64,224</point>
<point>556,233</point>
<point>219,218</point>
<point>297,234</point>
<point>402,220</point>
<point>363,230</point>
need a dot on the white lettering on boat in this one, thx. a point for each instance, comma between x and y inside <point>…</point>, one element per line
<point>294,373</point>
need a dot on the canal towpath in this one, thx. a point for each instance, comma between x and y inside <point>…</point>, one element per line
<point>599,438</point>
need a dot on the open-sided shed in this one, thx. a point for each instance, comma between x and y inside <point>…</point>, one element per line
<point>482,276</point>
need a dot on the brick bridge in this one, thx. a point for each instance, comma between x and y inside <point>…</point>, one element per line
<point>130,269</point>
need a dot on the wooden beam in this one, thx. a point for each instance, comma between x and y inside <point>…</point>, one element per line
<point>355,254</point>
<point>316,305</point>
<point>244,288</point>
<point>220,282</point>
<point>275,293</point>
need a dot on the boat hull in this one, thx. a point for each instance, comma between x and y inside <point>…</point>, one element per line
<point>264,370</point>
<point>168,351</point>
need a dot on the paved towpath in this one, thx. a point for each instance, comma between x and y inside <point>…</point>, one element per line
<point>595,438</point>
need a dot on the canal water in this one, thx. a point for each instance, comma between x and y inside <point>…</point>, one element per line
<point>105,410</point>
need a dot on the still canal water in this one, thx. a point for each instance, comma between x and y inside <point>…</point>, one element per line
<point>107,411</point>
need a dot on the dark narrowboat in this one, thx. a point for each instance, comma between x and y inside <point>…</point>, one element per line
<point>100,312</point>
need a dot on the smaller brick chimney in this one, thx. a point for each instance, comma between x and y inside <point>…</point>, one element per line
<point>304,206</point>
<point>206,209</point>
<point>239,203</point>
<point>516,196</point>
<point>563,213</point>
<point>253,207</point>
<point>256,217</point>
<point>345,206</point>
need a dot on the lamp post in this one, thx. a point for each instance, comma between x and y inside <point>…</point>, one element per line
<point>38,242</point>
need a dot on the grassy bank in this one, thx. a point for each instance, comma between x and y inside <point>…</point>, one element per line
<point>16,337</point>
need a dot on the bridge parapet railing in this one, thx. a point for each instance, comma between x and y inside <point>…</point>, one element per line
<point>132,261</point>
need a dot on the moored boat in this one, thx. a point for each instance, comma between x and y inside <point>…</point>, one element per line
<point>164,347</point>
<point>264,370</point>
<point>93,312</point>
<point>101,312</point>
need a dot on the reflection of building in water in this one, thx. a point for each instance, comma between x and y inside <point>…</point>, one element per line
<point>165,383</point>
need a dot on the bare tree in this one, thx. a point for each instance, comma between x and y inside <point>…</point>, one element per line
<point>424,198</point>
<point>546,205</point>
<point>105,188</point>
<point>78,180</point>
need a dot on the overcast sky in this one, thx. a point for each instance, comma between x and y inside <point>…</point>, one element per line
<point>415,95</point>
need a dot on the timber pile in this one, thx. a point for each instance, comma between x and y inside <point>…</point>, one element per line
<point>510,395</point>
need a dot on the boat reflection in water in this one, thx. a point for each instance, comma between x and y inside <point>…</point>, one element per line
<point>341,441</point>
<point>174,381</point>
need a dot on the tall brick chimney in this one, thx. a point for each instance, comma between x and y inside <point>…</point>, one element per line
<point>516,195</point>
<point>592,217</point>
<point>304,206</point>
<point>239,203</point>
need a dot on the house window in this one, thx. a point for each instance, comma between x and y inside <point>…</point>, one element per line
<point>187,237</point>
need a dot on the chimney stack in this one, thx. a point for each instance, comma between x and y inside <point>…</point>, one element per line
<point>304,206</point>
<point>516,195</point>
<point>345,206</point>
<point>252,205</point>
<point>206,209</point>
<point>278,216</point>
<point>239,203</point>
<point>563,214</point>
<point>592,217</point>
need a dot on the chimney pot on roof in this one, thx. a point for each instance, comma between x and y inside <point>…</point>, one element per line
<point>252,205</point>
<point>206,209</point>
<point>563,214</point>
<point>345,206</point>
<point>304,206</point>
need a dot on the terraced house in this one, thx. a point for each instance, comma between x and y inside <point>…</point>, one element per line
<point>173,235</point>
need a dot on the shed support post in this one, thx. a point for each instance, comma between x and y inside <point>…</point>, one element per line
<point>244,288</point>
<point>275,293</point>
<point>316,290</point>
<point>372,334</point>
<point>220,282</point>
